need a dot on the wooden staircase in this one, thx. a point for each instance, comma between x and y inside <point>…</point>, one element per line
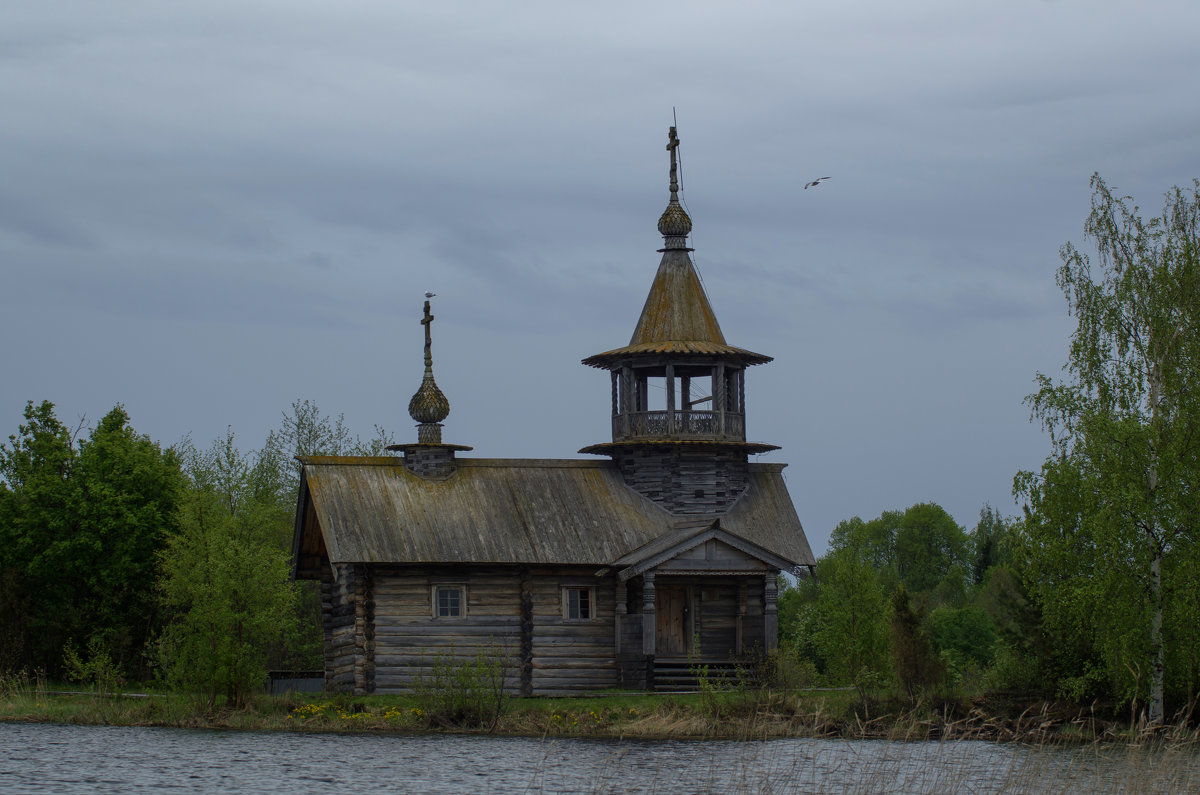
<point>683,675</point>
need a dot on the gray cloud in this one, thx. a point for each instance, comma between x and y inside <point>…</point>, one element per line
<point>208,211</point>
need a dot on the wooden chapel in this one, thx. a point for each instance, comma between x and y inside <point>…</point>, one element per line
<point>623,572</point>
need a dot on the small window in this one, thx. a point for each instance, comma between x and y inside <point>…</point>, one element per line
<point>577,604</point>
<point>449,601</point>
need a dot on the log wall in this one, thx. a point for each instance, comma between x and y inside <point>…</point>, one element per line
<point>347,609</point>
<point>410,640</point>
<point>683,481</point>
<point>572,656</point>
<point>381,634</point>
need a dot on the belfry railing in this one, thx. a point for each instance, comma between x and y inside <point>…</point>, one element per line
<point>680,424</point>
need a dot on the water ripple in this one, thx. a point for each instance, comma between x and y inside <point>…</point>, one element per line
<point>87,759</point>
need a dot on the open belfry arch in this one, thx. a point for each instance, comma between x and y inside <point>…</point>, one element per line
<point>622,571</point>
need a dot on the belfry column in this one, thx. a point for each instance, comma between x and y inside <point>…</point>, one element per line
<point>770,612</point>
<point>649,626</point>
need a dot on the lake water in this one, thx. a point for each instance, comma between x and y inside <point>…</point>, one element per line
<point>85,759</point>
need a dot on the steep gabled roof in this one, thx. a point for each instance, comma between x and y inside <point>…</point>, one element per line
<point>373,510</point>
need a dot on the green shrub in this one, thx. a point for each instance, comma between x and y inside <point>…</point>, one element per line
<point>465,691</point>
<point>965,635</point>
<point>918,667</point>
<point>97,671</point>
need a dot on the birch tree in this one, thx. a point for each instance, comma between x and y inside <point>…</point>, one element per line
<point>1114,505</point>
<point>851,635</point>
<point>223,581</point>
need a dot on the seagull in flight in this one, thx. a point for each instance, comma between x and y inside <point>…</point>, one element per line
<point>815,182</point>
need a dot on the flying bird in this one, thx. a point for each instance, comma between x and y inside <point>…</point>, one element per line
<point>815,182</point>
<point>430,295</point>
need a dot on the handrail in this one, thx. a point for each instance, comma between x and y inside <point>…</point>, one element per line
<point>685,424</point>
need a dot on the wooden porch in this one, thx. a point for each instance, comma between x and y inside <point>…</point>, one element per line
<point>675,674</point>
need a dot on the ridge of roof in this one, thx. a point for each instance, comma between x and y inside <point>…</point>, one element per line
<point>582,513</point>
<point>510,463</point>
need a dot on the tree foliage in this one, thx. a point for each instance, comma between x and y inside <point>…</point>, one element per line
<point>921,547</point>
<point>224,579</point>
<point>799,620</point>
<point>899,596</point>
<point>306,431</point>
<point>917,665</point>
<point>966,634</point>
<point>851,627</point>
<point>991,543</point>
<point>81,523</point>
<point>1109,536</point>
<point>91,518</point>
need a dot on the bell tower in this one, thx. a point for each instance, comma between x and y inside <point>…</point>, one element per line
<point>678,389</point>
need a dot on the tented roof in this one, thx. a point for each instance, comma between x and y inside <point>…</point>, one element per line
<point>677,319</point>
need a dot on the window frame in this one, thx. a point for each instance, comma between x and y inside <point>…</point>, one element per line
<point>590,590</point>
<point>435,592</point>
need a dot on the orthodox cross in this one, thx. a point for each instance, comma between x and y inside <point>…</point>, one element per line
<point>671,147</point>
<point>427,322</point>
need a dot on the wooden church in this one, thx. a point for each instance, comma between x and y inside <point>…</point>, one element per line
<point>619,572</point>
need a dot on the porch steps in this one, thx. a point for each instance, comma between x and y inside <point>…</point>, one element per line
<point>684,675</point>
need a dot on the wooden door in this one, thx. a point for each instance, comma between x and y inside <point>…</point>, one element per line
<point>670,608</point>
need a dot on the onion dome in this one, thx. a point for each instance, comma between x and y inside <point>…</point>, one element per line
<point>429,405</point>
<point>674,224</point>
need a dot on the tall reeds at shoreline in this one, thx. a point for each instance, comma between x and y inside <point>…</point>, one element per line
<point>735,714</point>
<point>831,739</point>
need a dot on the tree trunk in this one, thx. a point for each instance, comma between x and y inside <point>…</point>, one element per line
<point>1156,640</point>
<point>1156,598</point>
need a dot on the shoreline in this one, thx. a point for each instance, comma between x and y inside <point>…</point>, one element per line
<point>749,716</point>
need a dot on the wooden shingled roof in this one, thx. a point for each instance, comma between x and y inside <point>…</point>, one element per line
<point>677,319</point>
<point>372,509</point>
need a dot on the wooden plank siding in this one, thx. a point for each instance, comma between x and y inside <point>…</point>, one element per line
<point>753,639</point>
<point>718,620</point>
<point>713,556</point>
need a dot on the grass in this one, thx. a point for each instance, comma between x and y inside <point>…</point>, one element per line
<point>1101,755</point>
<point>742,714</point>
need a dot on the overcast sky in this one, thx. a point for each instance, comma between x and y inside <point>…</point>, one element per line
<point>211,209</point>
